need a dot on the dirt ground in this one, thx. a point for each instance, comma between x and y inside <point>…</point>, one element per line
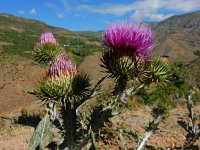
<point>16,77</point>
<point>169,135</point>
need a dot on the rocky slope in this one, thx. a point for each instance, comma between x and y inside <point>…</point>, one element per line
<point>179,36</point>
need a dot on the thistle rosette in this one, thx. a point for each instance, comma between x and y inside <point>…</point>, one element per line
<point>63,85</point>
<point>47,48</point>
<point>129,46</point>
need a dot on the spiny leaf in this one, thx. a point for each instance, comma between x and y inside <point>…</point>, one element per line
<point>160,71</point>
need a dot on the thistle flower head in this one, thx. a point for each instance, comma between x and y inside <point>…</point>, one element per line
<point>47,38</point>
<point>62,66</point>
<point>129,37</point>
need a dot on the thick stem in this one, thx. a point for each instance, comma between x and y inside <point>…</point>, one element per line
<point>120,88</point>
<point>191,114</point>
<point>69,123</point>
<point>123,140</point>
<point>148,134</point>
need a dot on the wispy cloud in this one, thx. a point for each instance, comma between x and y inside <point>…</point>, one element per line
<point>21,12</point>
<point>52,6</point>
<point>33,11</point>
<point>60,15</point>
<point>150,9</point>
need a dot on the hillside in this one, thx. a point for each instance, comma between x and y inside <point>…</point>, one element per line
<point>19,35</point>
<point>179,36</point>
<point>193,72</point>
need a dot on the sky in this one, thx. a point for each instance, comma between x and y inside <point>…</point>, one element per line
<point>95,15</point>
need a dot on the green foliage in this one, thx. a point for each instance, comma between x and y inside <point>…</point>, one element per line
<point>21,43</point>
<point>197,53</point>
<point>163,107</point>
<point>176,85</point>
<point>178,74</point>
<point>78,53</point>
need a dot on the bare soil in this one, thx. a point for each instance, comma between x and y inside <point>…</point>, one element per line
<point>16,78</point>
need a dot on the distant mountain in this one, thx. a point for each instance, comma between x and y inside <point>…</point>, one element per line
<point>90,34</point>
<point>179,36</point>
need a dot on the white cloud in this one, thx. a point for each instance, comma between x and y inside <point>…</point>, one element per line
<point>151,9</point>
<point>108,9</point>
<point>151,15</point>
<point>21,12</point>
<point>60,15</point>
<point>33,11</point>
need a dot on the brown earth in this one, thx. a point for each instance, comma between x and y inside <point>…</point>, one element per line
<point>91,66</point>
<point>169,135</point>
<point>16,77</point>
<point>16,138</point>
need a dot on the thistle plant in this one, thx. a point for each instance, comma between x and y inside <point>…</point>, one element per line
<point>129,61</point>
<point>191,127</point>
<point>63,90</point>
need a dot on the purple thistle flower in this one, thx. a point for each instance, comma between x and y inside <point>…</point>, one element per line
<point>47,38</point>
<point>130,38</point>
<point>62,66</point>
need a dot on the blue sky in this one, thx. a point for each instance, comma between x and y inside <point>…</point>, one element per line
<point>96,14</point>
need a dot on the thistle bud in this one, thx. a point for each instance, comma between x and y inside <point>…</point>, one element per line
<point>47,48</point>
<point>62,66</point>
<point>47,38</point>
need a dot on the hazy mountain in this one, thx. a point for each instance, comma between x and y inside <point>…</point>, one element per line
<point>179,36</point>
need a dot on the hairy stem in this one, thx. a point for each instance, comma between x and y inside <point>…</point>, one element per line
<point>148,134</point>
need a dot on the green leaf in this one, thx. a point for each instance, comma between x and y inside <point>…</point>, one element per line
<point>42,136</point>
